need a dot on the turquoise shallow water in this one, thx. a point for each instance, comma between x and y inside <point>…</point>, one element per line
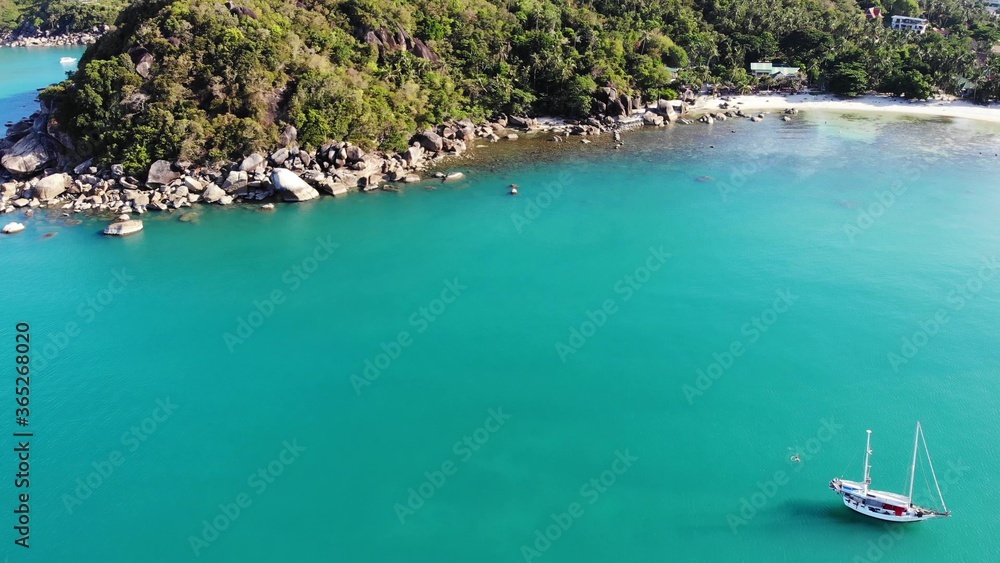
<point>482,289</point>
<point>25,69</point>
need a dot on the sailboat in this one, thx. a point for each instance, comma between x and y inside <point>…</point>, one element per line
<point>884,505</point>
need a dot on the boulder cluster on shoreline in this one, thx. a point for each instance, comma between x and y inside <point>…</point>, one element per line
<point>36,171</point>
<point>31,37</point>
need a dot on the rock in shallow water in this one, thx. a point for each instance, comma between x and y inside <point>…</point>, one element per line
<point>295,188</point>
<point>300,194</point>
<point>11,228</point>
<point>123,228</point>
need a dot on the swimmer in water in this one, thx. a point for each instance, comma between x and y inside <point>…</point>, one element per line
<point>795,458</point>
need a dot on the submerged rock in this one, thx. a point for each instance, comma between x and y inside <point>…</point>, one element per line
<point>454,176</point>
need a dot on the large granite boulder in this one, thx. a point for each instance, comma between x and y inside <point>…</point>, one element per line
<point>413,155</point>
<point>213,193</point>
<point>626,103</point>
<point>279,156</point>
<point>521,122</point>
<point>429,140</point>
<point>650,118</point>
<point>288,136</point>
<point>354,153</point>
<point>252,163</point>
<point>606,94</point>
<point>161,173</point>
<point>295,188</point>
<point>29,155</point>
<point>235,181</point>
<point>143,61</point>
<point>52,186</point>
<point>616,108</point>
<point>285,179</point>
<point>300,194</point>
<point>193,184</point>
<point>666,108</point>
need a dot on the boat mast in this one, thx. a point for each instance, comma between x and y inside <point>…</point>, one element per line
<point>868,451</point>
<point>913,466</point>
<point>924,440</point>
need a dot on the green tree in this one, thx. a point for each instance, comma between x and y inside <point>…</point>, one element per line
<point>904,8</point>
<point>849,79</point>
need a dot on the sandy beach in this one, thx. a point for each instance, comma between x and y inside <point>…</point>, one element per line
<point>882,104</point>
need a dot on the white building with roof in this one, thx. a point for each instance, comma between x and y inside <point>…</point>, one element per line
<point>906,23</point>
<point>767,69</point>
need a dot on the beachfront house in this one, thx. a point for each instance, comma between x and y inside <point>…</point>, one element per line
<point>992,5</point>
<point>905,23</point>
<point>761,70</point>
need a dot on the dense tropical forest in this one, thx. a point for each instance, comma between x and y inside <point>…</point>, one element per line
<point>57,16</point>
<point>199,80</point>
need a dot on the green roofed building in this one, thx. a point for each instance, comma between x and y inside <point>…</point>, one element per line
<point>767,69</point>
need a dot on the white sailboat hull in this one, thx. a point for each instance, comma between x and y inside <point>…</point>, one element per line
<point>882,505</point>
<point>908,514</point>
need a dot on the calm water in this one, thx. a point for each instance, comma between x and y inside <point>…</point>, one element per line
<point>25,69</point>
<point>488,296</point>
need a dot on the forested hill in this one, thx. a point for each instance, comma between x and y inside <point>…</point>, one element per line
<point>56,16</point>
<point>199,80</point>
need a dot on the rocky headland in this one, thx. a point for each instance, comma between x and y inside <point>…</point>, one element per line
<point>29,36</point>
<point>39,170</point>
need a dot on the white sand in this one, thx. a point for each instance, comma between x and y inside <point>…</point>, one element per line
<point>883,104</point>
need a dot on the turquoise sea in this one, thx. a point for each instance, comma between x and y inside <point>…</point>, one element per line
<point>461,375</point>
<point>24,70</point>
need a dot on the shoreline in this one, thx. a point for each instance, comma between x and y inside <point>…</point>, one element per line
<point>337,169</point>
<point>872,103</point>
<point>40,39</point>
